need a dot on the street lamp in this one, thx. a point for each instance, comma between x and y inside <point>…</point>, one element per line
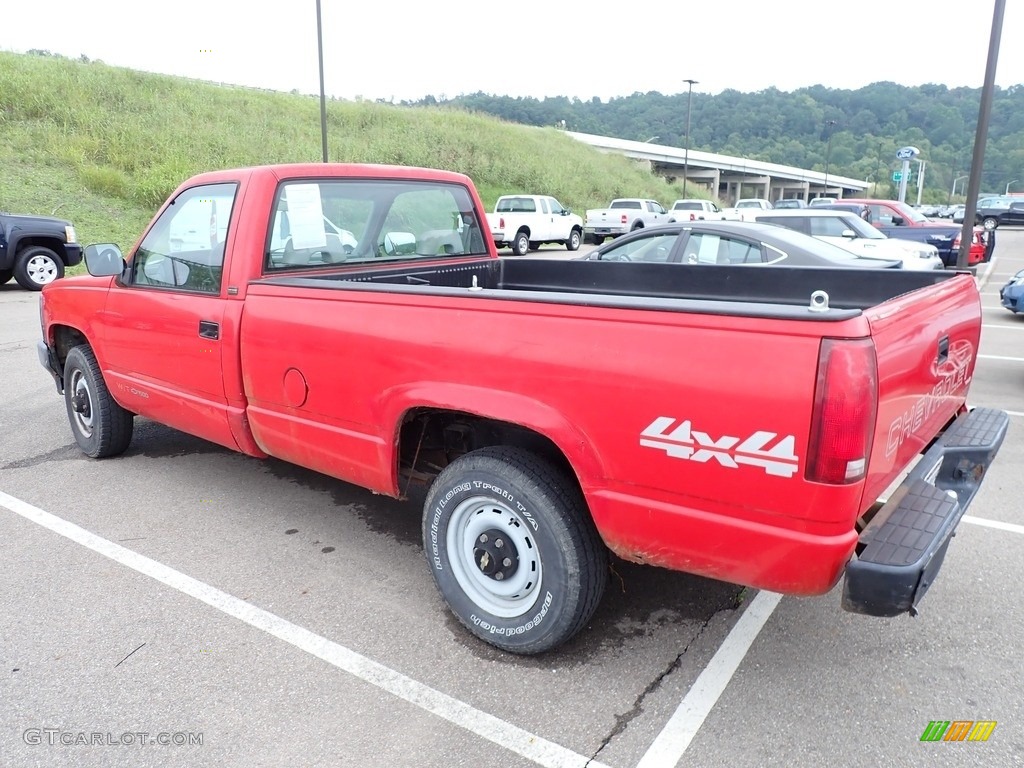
<point>1008,186</point>
<point>953,190</point>
<point>829,124</point>
<point>686,151</point>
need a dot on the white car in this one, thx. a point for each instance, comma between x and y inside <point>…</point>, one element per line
<point>851,233</point>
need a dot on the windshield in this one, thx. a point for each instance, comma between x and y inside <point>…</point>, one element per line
<point>910,214</point>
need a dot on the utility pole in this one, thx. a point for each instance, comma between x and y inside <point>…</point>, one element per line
<point>686,152</point>
<point>829,125</point>
<point>323,98</point>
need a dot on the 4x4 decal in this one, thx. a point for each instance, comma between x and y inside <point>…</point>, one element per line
<point>775,455</point>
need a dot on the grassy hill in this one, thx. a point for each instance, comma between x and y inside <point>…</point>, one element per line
<point>104,146</point>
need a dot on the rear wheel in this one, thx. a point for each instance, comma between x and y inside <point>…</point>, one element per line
<point>36,266</point>
<point>573,243</point>
<point>513,550</point>
<point>521,245</point>
<point>101,427</point>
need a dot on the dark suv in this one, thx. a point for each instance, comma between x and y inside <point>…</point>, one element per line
<point>995,211</point>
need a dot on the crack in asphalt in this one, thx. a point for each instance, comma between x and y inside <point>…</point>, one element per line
<point>623,720</point>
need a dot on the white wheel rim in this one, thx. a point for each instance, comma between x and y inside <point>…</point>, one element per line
<point>41,270</point>
<point>481,516</point>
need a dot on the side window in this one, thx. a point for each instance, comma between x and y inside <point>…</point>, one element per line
<point>556,207</point>
<point>827,226</point>
<point>653,248</point>
<point>881,215</point>
<point>543,205</point>
<point>185,248</point>
<point>738,252</point>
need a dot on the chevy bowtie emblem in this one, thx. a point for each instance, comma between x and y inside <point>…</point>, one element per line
<point>775,455</point>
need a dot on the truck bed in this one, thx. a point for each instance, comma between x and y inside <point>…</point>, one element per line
<point>776,292</point>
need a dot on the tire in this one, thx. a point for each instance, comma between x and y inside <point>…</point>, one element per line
<point>573,243</point>
<point>990,223</point>
<point>35,266</point>
<point>101,427</point>
<point>638,225</point>
<point>595,239</point>
<point>507,501</point>
<point>535,245</point>
<point>6,275</point>
<point>521,245</point>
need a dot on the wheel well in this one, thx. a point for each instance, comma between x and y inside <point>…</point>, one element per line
<point>54,244</point>
<point>638,225</point>
<point>523,230</point>
<point>431,438</point>
<point>64,338</point>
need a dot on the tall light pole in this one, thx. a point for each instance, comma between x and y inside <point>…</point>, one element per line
<point>1008,186</point>
<point>686,151</point>
<point>953,190</point>
<point>981,133</point>
<point>829,125</point>
<point>323,98</point>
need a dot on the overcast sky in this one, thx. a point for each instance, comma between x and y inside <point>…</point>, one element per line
<point>406,50</point>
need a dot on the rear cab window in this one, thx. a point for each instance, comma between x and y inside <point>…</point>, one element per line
<point>349,221</point>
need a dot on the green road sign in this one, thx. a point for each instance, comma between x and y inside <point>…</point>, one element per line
<point>897,175</point>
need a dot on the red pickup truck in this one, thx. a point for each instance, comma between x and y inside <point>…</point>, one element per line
<point>739,423</point>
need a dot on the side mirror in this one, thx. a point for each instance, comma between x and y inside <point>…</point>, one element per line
<point>104,260</point>
<point>566,211</point>
<point>849,233</point>
<point>897,221</point>
<point>399,243</point>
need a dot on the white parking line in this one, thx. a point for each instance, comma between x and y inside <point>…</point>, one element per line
<point>998,327</point>
<point>1011,527</point>
<point>675,738</point>
<point>512,738</point>
<point>1001,357</point>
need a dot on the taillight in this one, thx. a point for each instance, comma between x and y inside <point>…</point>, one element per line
<point>501,222</point>
<point>845,404</point>
<point>624,218</point>
<point>956,242</point>
<point>693,217</point>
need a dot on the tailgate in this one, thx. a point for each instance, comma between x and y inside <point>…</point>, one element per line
<point>926,343</point>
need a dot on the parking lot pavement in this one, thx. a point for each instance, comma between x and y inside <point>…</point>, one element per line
<point>289,618</point>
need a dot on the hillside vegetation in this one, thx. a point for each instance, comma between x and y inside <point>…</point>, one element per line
<point>866,126</point>
<point>104,146</point>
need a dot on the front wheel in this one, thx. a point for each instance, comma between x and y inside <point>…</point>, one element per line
<point>101,427</point>
<point>990,223</point>
<point>36,266</point>
<point>573,243</point>
<point>513,550</point>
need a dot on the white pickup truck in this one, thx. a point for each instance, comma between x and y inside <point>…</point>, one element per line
<point>525,222</point>
<point>747,208</point>
<point>623,215</point>
<point>695,210</point>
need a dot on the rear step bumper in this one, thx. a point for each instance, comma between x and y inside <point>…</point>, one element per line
<point>900,551</point>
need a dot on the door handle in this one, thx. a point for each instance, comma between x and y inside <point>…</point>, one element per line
<point>209,329</point>
<point>943,350</point>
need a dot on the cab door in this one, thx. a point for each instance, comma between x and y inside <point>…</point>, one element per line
<point>162,331</point>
